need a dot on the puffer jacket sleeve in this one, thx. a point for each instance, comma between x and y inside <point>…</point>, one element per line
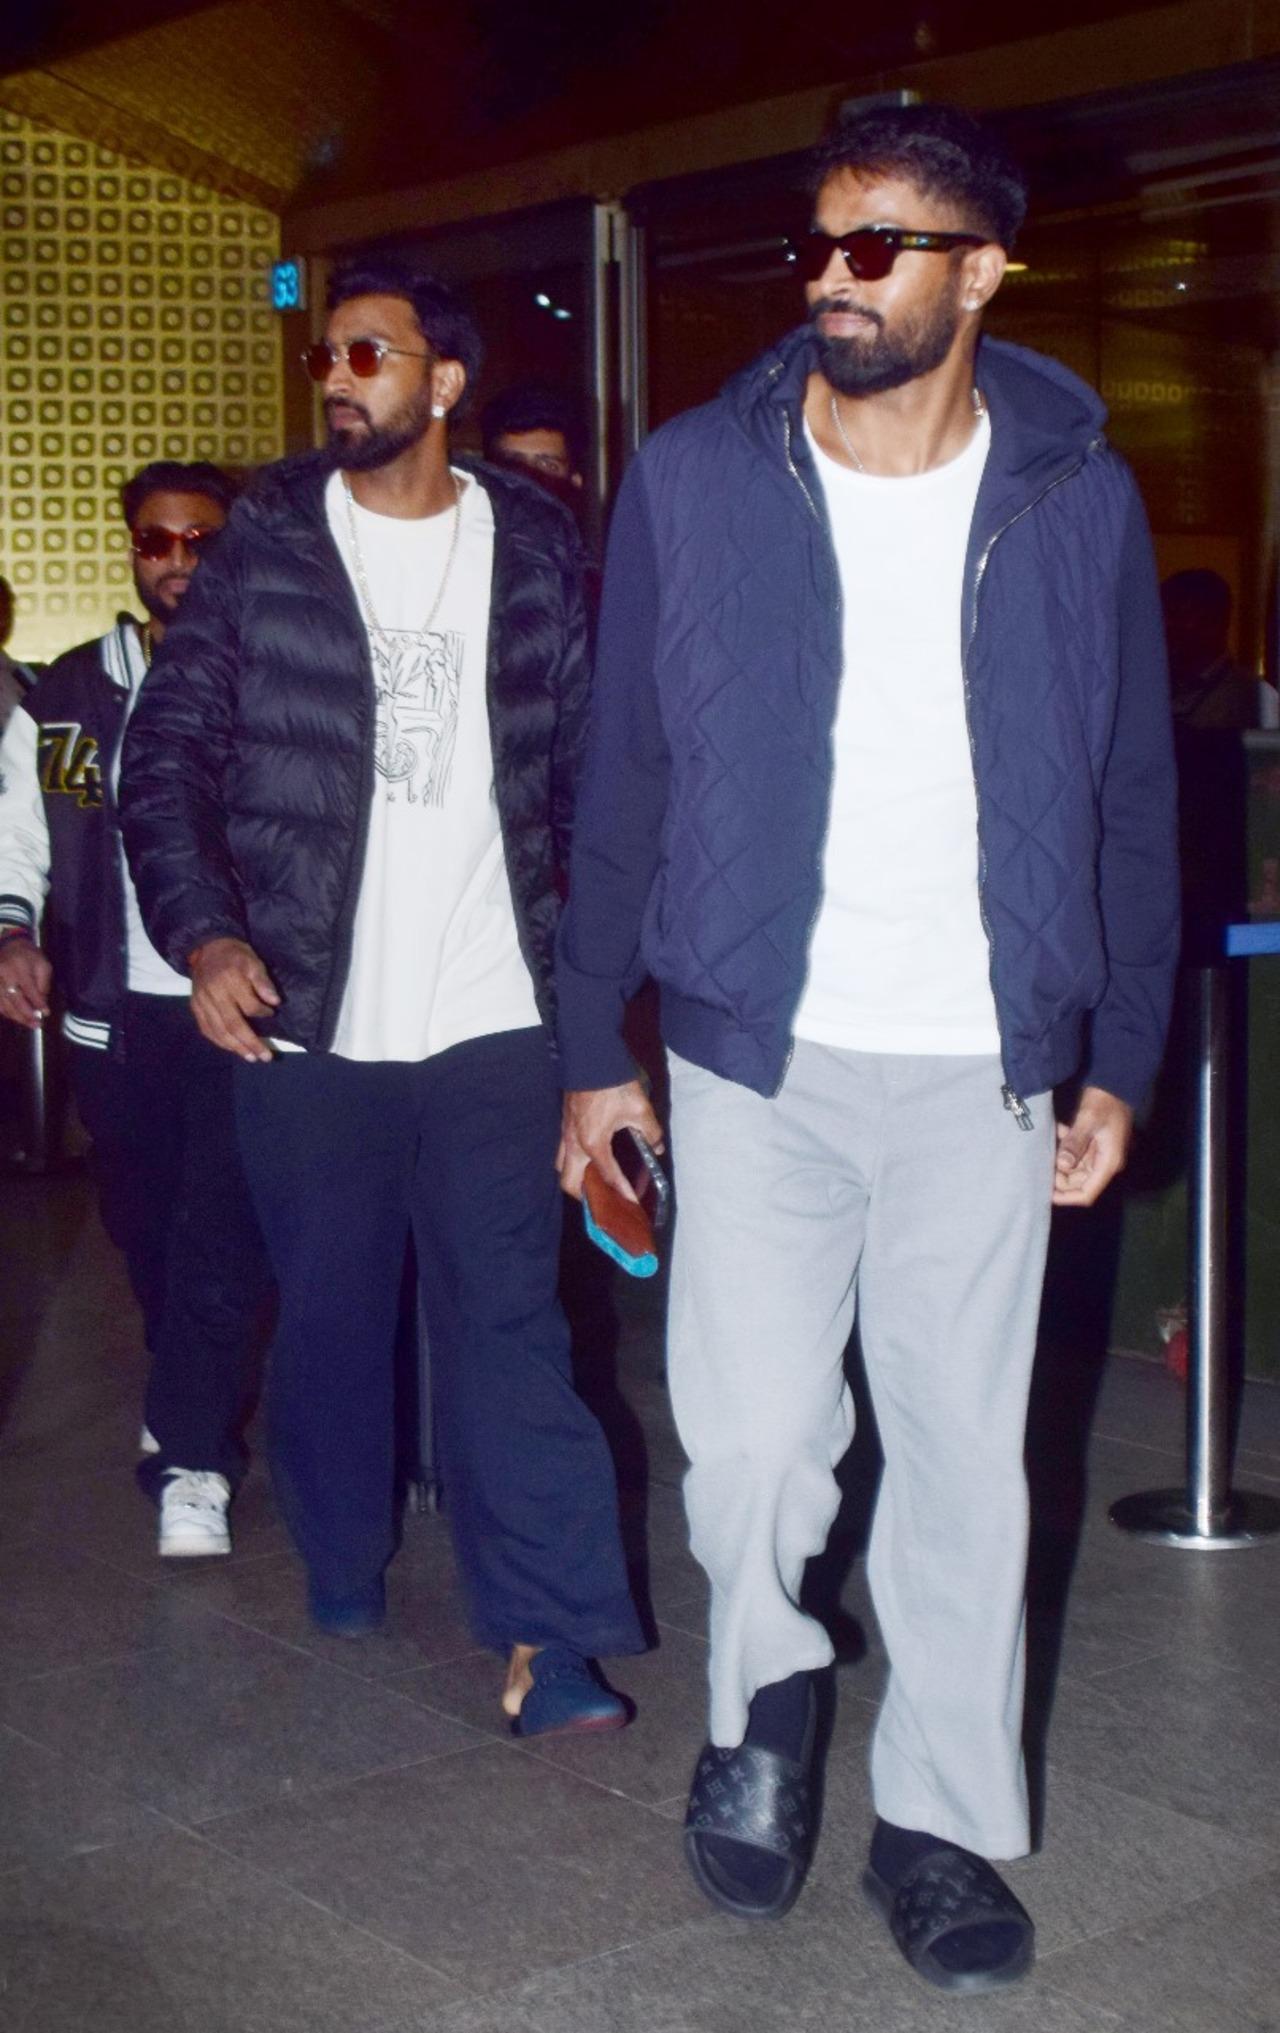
<point>1138,856</point>
<point>175,753</point>
<point>621,804</point>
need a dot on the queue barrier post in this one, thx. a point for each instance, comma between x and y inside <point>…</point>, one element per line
<point>1206,1514</point>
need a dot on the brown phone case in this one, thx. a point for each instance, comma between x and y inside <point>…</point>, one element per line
<point>625,1221</point>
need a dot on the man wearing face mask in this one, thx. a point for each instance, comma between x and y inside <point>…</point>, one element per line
<point>880,790</point>
<point>347,797</point>
<point>155,1097</point>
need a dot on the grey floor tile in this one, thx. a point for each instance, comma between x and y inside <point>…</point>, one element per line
<point>426,1615</point>
<point>1209,1967</point>
<point>52,1807</point>
<point>1180,1729</point>
<point>394,1849</point>
<point>59,1609</point>
<point>823,1970</point>
<point>688,1613</point>
<point>1108,1860</point>
<point>489,1865</point>
<point>1140,1401</point>
<point>468,1689</point>
<point>231,1719</point>
<point>171,1936</point>
<point>1118,1623</point>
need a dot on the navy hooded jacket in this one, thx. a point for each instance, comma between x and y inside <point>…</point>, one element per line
<point>703,809</point>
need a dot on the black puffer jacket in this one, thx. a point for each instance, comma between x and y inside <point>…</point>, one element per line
<point>249,762</point>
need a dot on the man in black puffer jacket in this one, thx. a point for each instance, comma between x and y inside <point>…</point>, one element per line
<point>346,801</point>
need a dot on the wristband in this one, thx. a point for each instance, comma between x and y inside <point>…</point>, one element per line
<point>14,932</point>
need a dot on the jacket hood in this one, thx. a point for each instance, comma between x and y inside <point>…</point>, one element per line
<point>1042,415</point>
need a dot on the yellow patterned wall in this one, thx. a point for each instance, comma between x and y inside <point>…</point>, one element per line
<point>134,324</point>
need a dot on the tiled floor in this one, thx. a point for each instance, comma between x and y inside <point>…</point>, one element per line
<point>214,1821</point>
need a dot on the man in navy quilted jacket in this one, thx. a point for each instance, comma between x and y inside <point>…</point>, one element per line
<point>880,790</point>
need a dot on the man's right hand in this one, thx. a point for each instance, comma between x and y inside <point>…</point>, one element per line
<point>592,1118</point>
<point>229,984</point>
<point>25,980</point>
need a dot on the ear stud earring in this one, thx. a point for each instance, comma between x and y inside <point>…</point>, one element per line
<point>438,409</point>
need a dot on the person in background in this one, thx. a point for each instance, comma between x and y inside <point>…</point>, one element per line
<point>153,1094</point>
<point>537,429</point>
<point>347,792</point>
<point>1210,689</point>
<point>880,791</point>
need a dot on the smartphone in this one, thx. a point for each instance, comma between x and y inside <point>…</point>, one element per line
<point>625,1229</point>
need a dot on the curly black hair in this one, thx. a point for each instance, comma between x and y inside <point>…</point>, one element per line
<point>945,153</point>
<point>173,476</point>
<point>444,320</point>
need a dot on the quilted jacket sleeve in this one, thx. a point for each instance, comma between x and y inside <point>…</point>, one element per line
<point>621,803</point>
<point>1138,860</point>
<point>175,752</point>
<point>573,693</point>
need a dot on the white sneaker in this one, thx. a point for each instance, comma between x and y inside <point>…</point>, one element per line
<point>193,1514</point>
<point>147,1442</point>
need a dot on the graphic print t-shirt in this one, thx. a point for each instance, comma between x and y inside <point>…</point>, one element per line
<point>435,958</point>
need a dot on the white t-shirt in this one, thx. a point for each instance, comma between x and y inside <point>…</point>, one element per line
<point>899,961</point>
<point>435,957</point>
<point>146,972</point>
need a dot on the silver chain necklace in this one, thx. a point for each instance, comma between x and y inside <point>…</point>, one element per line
<point>979,411</point>
<point>362,582</point>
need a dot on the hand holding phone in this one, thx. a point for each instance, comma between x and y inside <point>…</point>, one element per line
<point>625,1229</point>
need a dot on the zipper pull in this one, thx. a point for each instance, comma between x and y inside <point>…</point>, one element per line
<point>1017,1108</point>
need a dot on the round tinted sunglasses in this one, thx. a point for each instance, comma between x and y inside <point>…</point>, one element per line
<point>363,356</point>
<point>870,251</point>
<point>154,542</point>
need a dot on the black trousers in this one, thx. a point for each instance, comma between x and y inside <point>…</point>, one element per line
<point>174,1199</point>
<point>346,1158</point>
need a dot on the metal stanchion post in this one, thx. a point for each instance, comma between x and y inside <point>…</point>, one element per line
<point>34,1153</point>
<point>1206,1514</point>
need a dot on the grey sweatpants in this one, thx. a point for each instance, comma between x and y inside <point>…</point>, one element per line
<point>904,1181</point>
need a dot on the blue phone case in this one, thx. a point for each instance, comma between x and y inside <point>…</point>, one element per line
<point>635,1267</point>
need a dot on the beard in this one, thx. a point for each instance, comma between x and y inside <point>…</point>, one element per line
<point>161,600</point>
<point>363,450</point>
<point>887,359</point>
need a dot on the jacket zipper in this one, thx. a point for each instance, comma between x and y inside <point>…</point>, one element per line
<point>1013,1101</point>
<point>109,768</point>
<point>814,914</point>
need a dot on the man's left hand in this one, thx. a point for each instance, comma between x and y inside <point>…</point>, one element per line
<point>1092,1148</point>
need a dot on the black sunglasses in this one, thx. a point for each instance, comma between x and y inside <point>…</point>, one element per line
<point>870,251</point>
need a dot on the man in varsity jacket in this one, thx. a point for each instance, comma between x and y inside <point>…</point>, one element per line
<point>155,1097</point>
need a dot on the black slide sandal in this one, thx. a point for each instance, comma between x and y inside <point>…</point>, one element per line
<point>947,1892</point>
<point>762,1800</point>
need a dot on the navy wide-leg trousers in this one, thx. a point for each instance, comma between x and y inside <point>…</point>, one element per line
<point>344,1158</point>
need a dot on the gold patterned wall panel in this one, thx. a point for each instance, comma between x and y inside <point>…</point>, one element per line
<point>135,324</point>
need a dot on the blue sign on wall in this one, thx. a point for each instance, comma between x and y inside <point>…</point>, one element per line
<point>289,285</point>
